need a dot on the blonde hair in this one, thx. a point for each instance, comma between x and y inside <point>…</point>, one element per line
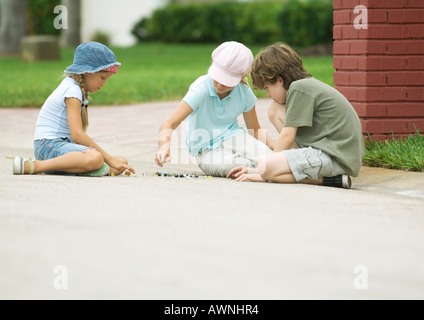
<point>84,113</point>
<point>277,61</point>
<point>244,81</point>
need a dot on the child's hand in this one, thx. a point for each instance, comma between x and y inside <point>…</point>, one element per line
<point>161,157</point>
<point>238,171</point>
<point>256,177</point>
<point>118,166</point>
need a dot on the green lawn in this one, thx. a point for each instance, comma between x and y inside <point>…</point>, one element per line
<point>149,72</point>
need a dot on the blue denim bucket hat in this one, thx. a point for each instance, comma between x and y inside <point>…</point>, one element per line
<point>92,57</point>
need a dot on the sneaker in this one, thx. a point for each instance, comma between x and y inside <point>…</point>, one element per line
<point>103,171</point>
<point>19,165</point>
<point>340,181</point>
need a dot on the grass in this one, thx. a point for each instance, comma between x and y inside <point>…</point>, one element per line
<point>149,72</point>
<point>403,154</point>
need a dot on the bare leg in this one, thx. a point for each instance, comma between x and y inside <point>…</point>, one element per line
<point>277,115</point>
<point>275,167</point>
<point>72,162</point>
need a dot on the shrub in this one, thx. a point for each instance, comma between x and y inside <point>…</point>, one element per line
<point>305,23</point>
<point>252,22</point>
<point>297,23</point>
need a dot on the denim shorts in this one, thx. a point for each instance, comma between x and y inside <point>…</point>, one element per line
<point>311,163</point>
<point>45,149</point>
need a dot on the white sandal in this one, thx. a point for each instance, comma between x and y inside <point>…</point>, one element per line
<point>19,165</point>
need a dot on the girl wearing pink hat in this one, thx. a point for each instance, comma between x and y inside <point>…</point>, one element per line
<point>212,106</point>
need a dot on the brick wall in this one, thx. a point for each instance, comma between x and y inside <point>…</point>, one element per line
<point>380,70</point>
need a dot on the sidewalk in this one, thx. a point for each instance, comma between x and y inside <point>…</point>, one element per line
<point>138,125</point>
<point>147,237</point>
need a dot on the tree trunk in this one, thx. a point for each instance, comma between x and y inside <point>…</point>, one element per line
<point>13,25</point>
<point>71,37</point>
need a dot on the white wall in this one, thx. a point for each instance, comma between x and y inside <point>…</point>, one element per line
<point>115,17</point>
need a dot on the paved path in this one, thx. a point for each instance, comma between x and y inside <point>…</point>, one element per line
<point>146,237</point>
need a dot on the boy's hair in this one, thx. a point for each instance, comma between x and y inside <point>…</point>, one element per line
<point>277,60</point>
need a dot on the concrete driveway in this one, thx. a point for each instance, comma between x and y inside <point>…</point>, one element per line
<point>149,237</point>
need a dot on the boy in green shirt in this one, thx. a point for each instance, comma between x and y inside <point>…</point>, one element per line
<point>320,139</point>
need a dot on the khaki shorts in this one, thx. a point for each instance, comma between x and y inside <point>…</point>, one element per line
<point>311,163</point>
<point>239,150</point>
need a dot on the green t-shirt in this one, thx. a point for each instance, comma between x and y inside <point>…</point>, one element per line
<point>327,121</point>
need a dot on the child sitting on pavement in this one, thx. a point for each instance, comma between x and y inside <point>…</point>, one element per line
<point>212,106</point>
<point>60,142</point>
<point>320,139</point>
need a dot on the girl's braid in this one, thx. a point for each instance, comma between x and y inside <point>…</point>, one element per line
<point>82,86</point>
<point>84,113</point>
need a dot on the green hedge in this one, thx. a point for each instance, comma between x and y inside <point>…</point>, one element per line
<point>307,23</point>
<point>212,22</point>
<point>247,22</point>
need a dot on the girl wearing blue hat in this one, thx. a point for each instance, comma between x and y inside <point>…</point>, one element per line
<point>60,141</point>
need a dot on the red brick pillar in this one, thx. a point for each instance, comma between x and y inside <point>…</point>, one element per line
<point>380,70</point>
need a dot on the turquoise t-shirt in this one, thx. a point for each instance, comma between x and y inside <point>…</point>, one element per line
<point>214,120</point>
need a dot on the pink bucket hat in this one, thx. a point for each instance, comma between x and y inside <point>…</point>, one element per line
<point>230,63</point>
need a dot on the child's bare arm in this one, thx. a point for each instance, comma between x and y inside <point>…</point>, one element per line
<point>182,111</point>
<point>276,115</point>
<point>75,127</point>
<point>80,137</point>
<point>251,120</point>
<point>286,139</point>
